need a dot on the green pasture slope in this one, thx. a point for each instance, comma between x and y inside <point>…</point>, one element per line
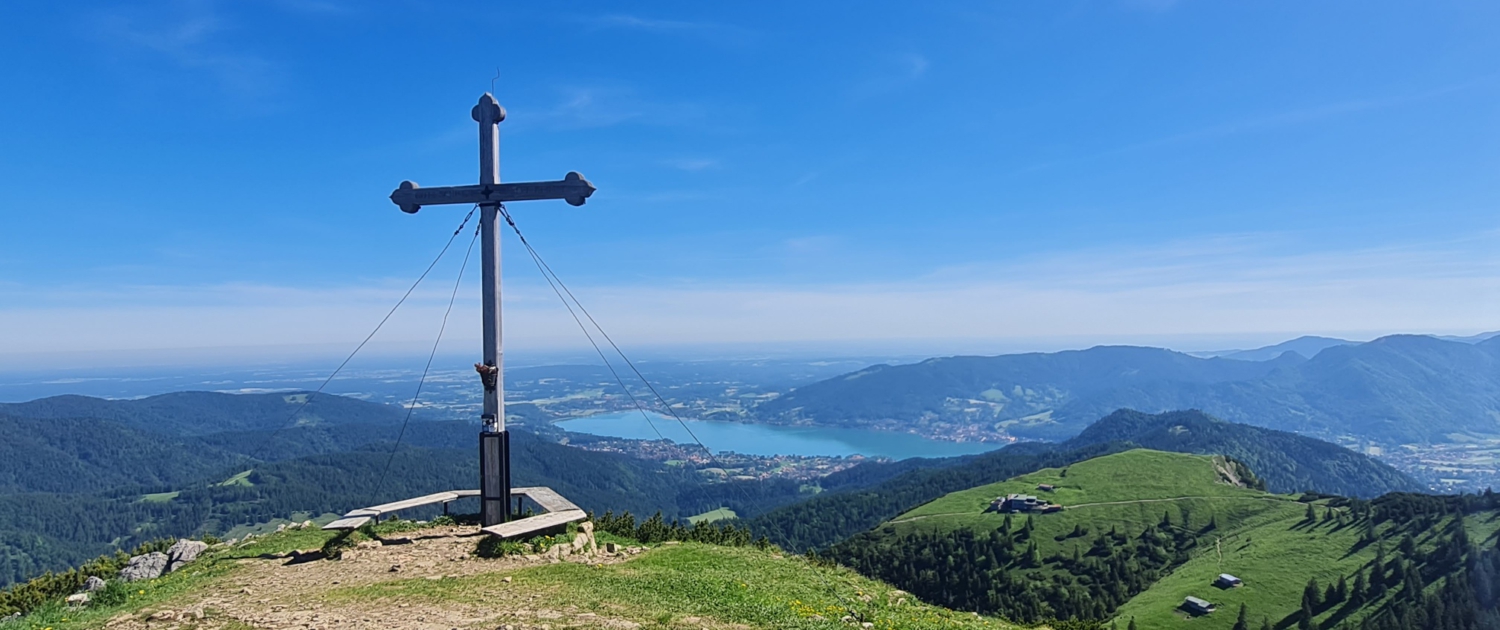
<point>1262,538</point>
<point>1129,490</point>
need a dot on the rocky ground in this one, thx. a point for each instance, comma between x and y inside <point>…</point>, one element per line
<point>302,590</point>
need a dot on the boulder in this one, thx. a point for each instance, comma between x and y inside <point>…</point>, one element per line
<point>183,552</point>
<point>94,583</point>
<point>78,599</point>
<point>147,567</point>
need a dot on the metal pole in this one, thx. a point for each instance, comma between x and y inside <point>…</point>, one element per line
<point>494,442</point>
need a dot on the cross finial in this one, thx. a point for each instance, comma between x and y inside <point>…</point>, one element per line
<point>488,111</point>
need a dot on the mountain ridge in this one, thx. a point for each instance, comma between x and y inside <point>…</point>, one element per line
<point>1394,390</point>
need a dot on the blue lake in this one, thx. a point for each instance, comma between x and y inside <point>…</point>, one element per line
<point>768,439</point>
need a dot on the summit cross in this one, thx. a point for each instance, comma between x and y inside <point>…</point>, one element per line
<point>489,194</point>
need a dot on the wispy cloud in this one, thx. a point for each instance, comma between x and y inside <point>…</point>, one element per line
<point>1272,121</point>
<point>192,36</point>
<point>594,106</point>
<point>1234,287</point>
<point>892,72</point>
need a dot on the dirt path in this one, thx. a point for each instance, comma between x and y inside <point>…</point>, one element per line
<point>293,592</point>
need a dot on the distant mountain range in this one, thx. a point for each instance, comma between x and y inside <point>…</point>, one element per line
<point>1310,345</point>
<point>1393,390</point>
<point>1307,347</point>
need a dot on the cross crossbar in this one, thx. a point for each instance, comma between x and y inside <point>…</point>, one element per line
<point>572,188</point>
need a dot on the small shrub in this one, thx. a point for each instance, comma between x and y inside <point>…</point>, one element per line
<point>114,593</point>
<point>492,547</point>
<point>334,548</point>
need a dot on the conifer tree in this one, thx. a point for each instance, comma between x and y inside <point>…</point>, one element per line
<point>1305,619</point>
<point>1242,622</point>
<point>1310,595</point>
<point>1132,624</point>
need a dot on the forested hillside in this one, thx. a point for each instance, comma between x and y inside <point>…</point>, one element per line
<point>202,413</point>
<point>1025,394</point>
<point>1292,462</point>
<point>1394,390</point>
<point>1143,530</point>
<point>85,455</point>
<point>43,531</point>
<point>73,488</point>
<point>1287,462</point>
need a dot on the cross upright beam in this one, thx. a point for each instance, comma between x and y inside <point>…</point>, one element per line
<point>488,194</point>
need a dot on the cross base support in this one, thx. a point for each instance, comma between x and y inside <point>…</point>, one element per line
<point>556,511</point>
<point>494,478</point>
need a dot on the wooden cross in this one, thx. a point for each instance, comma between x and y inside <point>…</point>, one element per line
<point>494,440</point>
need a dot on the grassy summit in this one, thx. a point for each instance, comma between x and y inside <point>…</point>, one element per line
<point>1127,492</point>
<point>431,578</point>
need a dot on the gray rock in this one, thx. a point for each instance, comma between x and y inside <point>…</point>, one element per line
<point>183,552</point>
<point>94,583</point>
<point>15,616</point>
<point>78,599</point>
<point>147,567</point>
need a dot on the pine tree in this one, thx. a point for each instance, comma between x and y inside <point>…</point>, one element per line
<point>1310,595</point>
<point>1242,622</point>
<point>1360,590</point>
<point>1265,623</point>
<point>1341,593</point>
<point>1312,515</point>
<point>1305,620</point>
<point>1132,624</point>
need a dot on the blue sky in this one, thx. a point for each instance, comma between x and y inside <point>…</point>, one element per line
<point>934,176</point>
